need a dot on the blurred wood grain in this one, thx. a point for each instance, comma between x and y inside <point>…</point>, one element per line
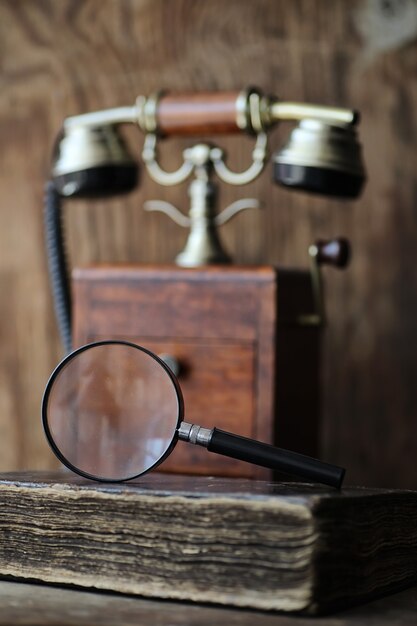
<point>67,57</point>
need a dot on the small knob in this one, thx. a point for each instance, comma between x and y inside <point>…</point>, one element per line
<point>335,252</point>
<point>172,362</point>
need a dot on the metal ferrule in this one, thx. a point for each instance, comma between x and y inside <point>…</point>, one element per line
<point>195,434</point>
<point>252,111</point>
<point>147,112</point>
<point>242,110</point>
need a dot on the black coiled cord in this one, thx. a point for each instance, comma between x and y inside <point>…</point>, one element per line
<point>57,263</point>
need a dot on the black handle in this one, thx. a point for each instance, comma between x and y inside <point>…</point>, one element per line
<point>275,458</point>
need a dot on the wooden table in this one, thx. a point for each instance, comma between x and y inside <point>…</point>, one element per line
<point>41,605</point>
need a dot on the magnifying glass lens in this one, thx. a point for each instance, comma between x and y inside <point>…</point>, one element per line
<point>111,411</point>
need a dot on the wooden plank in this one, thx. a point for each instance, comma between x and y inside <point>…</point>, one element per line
<point>26,604</point>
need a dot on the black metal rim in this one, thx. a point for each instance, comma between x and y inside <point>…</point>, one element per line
<point>47,392</point>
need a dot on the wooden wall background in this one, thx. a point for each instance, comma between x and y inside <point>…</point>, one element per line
<point>62,58</point>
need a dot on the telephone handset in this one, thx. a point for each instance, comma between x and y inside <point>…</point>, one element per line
<point>91,160</point>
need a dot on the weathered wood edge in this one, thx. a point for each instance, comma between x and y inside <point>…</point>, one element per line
<point>394,520</point>
<point>158,588</point>
<point>204,486</point>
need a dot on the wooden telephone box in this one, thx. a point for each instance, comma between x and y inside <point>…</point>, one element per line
<point>247,361</point>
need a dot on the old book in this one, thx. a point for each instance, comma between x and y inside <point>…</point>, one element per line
<point>274,546</point>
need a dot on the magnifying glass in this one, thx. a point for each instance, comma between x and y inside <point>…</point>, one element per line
<point>112,411</point>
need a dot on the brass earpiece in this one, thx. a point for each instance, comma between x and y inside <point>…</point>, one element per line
<point>93,161</point>
<point>323,158</point>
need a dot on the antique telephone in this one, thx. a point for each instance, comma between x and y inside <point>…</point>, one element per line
<point>91,160</point>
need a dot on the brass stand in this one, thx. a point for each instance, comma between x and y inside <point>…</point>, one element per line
<point>203,245</point>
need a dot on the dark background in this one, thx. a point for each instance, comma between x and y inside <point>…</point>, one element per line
<point>72,56</point>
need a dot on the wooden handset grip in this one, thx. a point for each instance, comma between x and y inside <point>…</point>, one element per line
<point>226,112</point>
<point>210,113</point>
<point>335,252</point>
